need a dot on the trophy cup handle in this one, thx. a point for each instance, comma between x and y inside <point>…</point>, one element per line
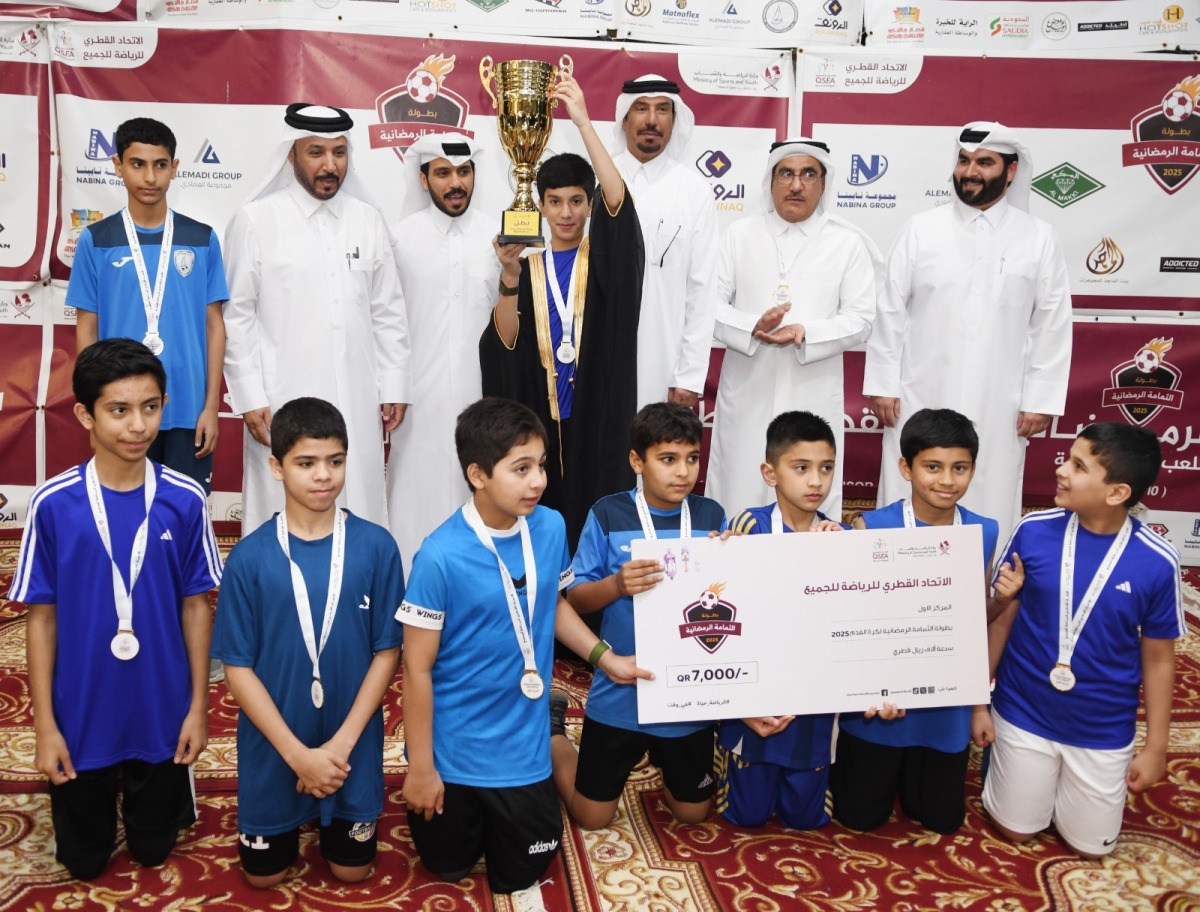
<point>487,70</point>
<point>566,67</point>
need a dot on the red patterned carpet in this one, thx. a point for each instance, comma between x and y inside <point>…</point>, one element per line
<point>642,862</point>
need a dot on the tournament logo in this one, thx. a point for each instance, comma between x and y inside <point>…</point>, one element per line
<point>780,15</point>
<point>1105,258</point>
<point>184,260</point>
<point>865,171</point>
<point>713,163</point>
<point>422,105</point>
<point>710,620</point>
<point>1143,387</point>
<point>1168,137</point>
<point>1065,185</point>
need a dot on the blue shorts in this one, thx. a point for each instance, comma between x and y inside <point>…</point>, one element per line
<point>749,793</point>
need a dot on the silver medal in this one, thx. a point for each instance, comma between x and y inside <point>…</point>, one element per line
<point>531,685</point>
<point>318,694</point>
<point>565,353</point>
<point>154,342</point>
<point>125,645</point>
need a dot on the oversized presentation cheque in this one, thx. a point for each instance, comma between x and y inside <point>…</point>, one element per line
<point>794,624</point>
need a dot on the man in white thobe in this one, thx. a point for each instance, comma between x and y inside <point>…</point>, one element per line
<point>449,274</point>
<point>975,315</point>
<point>679,228</point>
<point>795,287</point>
<point>315,309</point>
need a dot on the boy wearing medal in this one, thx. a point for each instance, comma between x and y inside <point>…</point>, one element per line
<point>1095,595</point>
<point>481,614</point>
<point>920,754</point>
<point>172,266</point>
<point>665,456</point>
<point>306,633</point>
<point>93,648</point>
<point>780,764</point>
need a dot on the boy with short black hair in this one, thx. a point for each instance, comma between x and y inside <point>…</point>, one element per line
<point>171,266</point>
<point>481,613</point>
<point>122,518</point>
<point>665,456</point>
<point>564,335</point>
<point>780,764</point>
<point>1099,609</point>
<point>920,754</point>
<point>306,633</point>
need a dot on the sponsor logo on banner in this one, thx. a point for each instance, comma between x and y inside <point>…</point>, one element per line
<point>21,304</point>
<point>780,15</point>
<point>64,45</point>
<point>1056,26</point>
<point>771,75</point>
<point>234,513</point>
<point>1065,185</point>
<point>713,163</point>
<point>1171,22</point>
<point>101,146</point>
<point>7,519</point>
<point>731,18</point>
<point>422,105</point>
<point>206,154</point>
<point>1113,25</point>
<point>710,620</point>
<point>488,5</point>
<point>29,40</point>
<point>831,24</point>
<point>1157,528</point>
<point>1105,258</point>
<point>1143,387</point>
<point>431,6</point>
<point>826,72</point>
<point>81,218</point>
<point>1168,137</point>
<point>681,14</point>
<point>865,171</point>
<point>1010,27</point>
<point>949,25</point>
<point>637,8</point>
<point>1179,264</point>
<point>907,26</point>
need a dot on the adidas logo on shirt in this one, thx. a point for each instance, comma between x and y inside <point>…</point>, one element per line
<point>1125,587</point>
<point>166,536</point>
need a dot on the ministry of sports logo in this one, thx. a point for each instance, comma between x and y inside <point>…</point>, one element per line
<point>710,620</point>
<point>1168,137</point>
<point>1145,385</point>
<point>420,106</point>
<point>1065,185</point>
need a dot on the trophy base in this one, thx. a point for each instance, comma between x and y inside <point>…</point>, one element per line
<point>520,227</point>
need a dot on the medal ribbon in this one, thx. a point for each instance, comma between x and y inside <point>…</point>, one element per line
<point>643,508</point>
<point>152,301</point>
<point>337,559</point>
<point>1068,629</point>
<point>122,596</point>
<point>777,521</point>
<point>910,518</point>
<point>520,627</point>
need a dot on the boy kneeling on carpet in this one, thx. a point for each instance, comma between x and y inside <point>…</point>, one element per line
<point>481,614</point>
<point>305,629</point>
<point>118,544</point>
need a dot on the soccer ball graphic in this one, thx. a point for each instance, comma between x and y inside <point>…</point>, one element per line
<point>1146,361</point>
<point>1178,105</point>
<point>422,85</point>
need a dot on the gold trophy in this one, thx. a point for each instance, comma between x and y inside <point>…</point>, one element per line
<point>523,105</point>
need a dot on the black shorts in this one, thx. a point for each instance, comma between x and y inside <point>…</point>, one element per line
<point>160,800</point>
<point>867,777</point>
<point>607,755</point>
<point>517,830</point>
<point>176,449</point>
<point>343,842</point>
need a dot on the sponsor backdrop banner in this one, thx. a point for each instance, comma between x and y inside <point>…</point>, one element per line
<point>757,23</point>
<point>1079,25</point>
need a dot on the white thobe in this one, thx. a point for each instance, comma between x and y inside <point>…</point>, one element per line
<point>974,315</point>
<point>314,309</point>
<point>450,274</point>
<point>832,282</point>
<point>679,228</point>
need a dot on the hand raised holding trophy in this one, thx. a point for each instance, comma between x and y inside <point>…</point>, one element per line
<point>525,94</point>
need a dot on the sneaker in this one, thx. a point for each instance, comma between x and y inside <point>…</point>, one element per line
<point>558,713</point>
<point>216,671</point>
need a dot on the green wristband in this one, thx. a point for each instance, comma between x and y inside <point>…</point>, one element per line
<point>597,651</point>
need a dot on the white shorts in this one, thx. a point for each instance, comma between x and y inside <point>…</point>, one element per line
<point>1033,781</point>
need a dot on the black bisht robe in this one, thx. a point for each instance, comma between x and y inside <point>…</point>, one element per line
<point>594,441</point>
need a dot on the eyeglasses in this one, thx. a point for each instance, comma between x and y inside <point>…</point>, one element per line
<point>784,176</point>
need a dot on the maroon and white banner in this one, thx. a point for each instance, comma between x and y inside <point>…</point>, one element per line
<point>753,23</point>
